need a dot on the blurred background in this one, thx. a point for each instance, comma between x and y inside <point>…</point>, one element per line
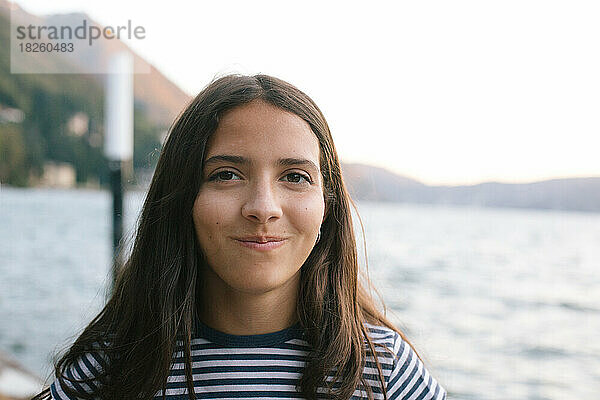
<point>469,135</point>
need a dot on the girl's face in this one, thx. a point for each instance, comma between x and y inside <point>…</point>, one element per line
<point>260,206</point>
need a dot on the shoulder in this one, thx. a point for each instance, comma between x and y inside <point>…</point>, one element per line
<point>405,374</point>
<point>83,376</point>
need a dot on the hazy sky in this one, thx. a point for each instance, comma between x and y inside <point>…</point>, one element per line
<point>446,92</point>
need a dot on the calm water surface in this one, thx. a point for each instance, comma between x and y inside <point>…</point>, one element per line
<point>500,303</point>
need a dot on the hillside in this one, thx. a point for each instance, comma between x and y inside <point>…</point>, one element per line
<point>154,93</point>
<point>369,183</point>
<point>45,102</point>
<point>58,118</point>
<point>160,98</point>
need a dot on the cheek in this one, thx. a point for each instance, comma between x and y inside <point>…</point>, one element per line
<point>209,216</point>
<point>308,212</point>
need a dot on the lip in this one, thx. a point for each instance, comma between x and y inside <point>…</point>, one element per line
<point>261,243</point>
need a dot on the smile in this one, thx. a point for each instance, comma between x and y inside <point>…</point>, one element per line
<point>262,246</point>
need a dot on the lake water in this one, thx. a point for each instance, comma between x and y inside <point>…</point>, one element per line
<point>500,303</point>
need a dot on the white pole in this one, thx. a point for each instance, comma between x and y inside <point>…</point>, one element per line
<point>118,138</point>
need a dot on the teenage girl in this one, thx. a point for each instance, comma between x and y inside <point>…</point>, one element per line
<point>243,281</point>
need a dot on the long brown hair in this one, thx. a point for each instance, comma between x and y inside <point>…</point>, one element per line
<point>155,296</point>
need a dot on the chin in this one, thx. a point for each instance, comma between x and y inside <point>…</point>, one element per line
<point>263,283</point>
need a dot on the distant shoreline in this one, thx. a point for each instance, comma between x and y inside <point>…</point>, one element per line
<point>572,194</point>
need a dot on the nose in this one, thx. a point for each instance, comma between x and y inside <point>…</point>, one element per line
<point>262,203</point>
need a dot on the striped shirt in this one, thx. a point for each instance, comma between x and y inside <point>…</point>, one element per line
<point>269,366</point>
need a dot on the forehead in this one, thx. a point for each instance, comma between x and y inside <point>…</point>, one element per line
<point>261,130</point>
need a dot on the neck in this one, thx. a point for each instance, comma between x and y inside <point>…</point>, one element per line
<point>239,312</point>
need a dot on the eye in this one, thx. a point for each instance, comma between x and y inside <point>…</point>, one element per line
<point>296,177</point>
<point>223,176</point>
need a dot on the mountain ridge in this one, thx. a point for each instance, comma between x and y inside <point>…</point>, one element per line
<point>153,91</point>
<point>367,183</point>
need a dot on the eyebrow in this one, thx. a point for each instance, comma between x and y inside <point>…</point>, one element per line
<point>289,161</point>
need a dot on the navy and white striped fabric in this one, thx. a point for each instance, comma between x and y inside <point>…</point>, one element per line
<point>269,366</point>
